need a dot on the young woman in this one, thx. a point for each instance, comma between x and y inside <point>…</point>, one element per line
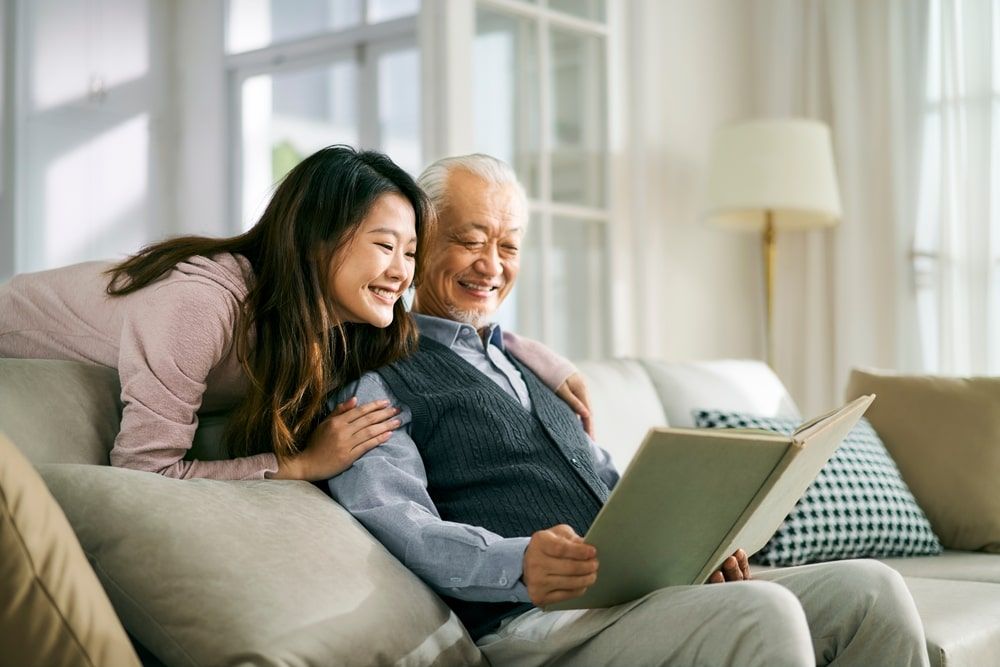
<point>265,323</point>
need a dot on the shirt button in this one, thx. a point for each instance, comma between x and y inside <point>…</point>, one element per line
<point>575,462</point>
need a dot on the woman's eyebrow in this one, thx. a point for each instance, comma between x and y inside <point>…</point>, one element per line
<point>392,232</point>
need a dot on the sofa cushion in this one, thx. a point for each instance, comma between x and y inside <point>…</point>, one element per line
<point>960,565</point>
<point>944,434</point>
<point>961,620</point>
<point>54,611</point>
<point>858,506</point>
<point>624,406</point>
<point>734,385</point>
<point>59,411</point>
<point>209,572</point>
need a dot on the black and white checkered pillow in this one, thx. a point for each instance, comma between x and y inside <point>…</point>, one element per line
<point>857,507</point>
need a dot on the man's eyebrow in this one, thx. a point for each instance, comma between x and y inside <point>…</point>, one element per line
<point>480,227</point>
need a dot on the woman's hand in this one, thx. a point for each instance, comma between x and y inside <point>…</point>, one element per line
<point>341,439</point>
<point>574,392</point>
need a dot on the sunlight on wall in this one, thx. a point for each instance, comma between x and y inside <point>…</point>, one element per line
<point>93,194</point>
<point>78,54</point>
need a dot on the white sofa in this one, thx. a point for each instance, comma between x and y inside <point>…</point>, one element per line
<point>275,573</point>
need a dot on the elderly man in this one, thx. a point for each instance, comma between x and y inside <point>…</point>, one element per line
<point>489,482</point>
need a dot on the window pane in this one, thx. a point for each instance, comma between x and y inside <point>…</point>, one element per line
<point>383,10</point>
<point>579,118</point>
<point>577,280</point>
<point>253,24</point>
<point>588,9</point>
<point>505,93</point>
<point>287,116</point>
<point>399,107</point>
<point>522,311</point>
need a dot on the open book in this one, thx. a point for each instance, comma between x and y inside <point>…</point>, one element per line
<point>692,497</point>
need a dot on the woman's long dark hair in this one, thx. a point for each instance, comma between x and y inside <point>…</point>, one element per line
<point>287,338</point>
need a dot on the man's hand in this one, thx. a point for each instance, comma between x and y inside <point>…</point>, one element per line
<point>734,568</point>
<point>558,565</point>
<point>574,392</point>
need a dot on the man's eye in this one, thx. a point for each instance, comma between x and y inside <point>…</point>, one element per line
<point>511,248</point>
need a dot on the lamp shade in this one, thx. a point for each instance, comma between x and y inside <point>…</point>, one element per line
<point>782,166</point>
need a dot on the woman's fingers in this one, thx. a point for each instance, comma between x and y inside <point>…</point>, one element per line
<point>362,411</point>
<point>345,406</point>
<point>371,443</point>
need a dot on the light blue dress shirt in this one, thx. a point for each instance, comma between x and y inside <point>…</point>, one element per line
<point>386,489</point>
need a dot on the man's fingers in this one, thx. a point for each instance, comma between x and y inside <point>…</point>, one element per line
<point>563,547</point>
<point>716,578</point>
<point>568,567</point>
<point>731,569</point>
<point>741,558</point>
<point>560,582</point>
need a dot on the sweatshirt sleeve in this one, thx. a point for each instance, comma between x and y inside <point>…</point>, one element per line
<point>171,339</point>
<point>551,368</point>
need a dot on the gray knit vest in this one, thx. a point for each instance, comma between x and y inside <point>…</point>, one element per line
<point>490,462</point>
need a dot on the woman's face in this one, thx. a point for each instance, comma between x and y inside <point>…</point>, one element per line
<point>367,276</point>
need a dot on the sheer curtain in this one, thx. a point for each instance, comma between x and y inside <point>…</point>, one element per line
<point>956,241</point>
<point>844,296</point>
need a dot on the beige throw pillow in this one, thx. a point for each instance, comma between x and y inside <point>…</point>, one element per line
<point>53,611</point>
<point>944,434</point>
<point>207,572</point>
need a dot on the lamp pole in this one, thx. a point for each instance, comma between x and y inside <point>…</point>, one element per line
<point>769,283</point>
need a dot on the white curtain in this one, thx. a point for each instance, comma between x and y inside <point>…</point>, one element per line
<point>908,280</point>
<point>956,242</point>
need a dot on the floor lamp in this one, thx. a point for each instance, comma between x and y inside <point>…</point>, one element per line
<point>770,175</point>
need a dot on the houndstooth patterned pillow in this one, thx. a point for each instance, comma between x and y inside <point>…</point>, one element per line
<point>857,507</point>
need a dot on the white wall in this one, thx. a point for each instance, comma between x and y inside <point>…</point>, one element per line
<point>6,148</point>
<point>698,290</point>
<point>201,197</point>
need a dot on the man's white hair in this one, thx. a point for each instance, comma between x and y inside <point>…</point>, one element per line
<point>434,179</point>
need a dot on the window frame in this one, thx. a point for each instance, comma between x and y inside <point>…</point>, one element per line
<point>542,207</point>
<point>362,41</point>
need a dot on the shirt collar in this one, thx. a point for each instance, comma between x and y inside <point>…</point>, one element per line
<point>447,332</point>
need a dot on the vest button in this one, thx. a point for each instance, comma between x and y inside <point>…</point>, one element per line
<point>575,462</point>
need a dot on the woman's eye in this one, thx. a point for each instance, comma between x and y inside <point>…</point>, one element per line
<point>411,255</point>
<point>387,246</point>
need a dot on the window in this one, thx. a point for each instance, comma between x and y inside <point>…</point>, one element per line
<point>540,103</point>
<point>310,73</point>
<point>86,116</point>
<point>956,244</point>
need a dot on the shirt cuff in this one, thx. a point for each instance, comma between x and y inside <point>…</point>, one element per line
<point>511,556</point>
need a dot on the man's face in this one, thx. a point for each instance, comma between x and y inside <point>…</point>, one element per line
<point>474,259</point>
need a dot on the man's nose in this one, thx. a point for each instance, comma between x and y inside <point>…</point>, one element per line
<point>488,262</point>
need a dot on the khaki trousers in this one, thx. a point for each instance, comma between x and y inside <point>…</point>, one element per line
<point>856,613</point>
